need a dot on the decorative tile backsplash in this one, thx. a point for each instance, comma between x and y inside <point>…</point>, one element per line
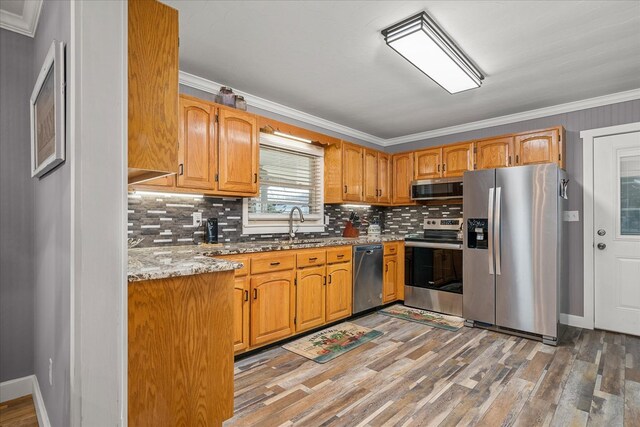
<point>168,219</point>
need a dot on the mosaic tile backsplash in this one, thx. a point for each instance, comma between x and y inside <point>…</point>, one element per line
<point>168,220</point>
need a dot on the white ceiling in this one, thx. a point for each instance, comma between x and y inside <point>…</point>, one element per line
<point>328,59</point>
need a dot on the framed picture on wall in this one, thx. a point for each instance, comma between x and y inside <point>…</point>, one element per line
<point>48,113</point>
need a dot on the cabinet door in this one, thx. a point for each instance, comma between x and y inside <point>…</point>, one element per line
<point>536,147</point>
<point>272,299</point>
<point>384,178</point>
<point>428,163</point>
<point>352,174</point>
<point>310,298</point>
<point>370,176</point>
<point>241,313</point>
<point>339,291</point>
<point>403,175</point>
<point>456,159</point>
<point>237,152</point>
<point>390,281</point>
<point>494,153</point>
<point>196,145</point>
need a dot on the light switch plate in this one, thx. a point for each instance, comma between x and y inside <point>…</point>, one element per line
<point>197,219</point>
<point>571,216</point>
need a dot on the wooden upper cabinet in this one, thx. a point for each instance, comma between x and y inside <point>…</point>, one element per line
<point>384,178</point>
<point>197,145</point>
<point>339,291</point>
<point>238,151</point>
<point>352,172</point>
<point>538,147</point>
<point>402,177</point>
<point>272,299</point>
<point>310,298</point>
<point>495,153</point>
<point>428,163</point>
<point>153,90</point>
<point>370,176</point>
<point>456,159</point>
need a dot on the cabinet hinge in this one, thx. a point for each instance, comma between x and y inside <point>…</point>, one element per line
<point>295,282</point>
<point>217,177</point>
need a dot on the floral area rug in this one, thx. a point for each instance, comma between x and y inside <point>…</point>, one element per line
<point>332,342</point>
<point>437,320</point>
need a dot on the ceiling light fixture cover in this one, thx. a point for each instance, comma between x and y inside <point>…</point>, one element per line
<point>420,41</point>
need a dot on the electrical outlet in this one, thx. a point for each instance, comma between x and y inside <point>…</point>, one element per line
<point>571,216</point>
<point>197,219</point>
<point>50,372</point>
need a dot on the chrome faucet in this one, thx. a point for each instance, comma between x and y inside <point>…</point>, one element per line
<point>292,234</point>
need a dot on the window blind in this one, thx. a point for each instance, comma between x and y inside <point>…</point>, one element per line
<point>287,179</point>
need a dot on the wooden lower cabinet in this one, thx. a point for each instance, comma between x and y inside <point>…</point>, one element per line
<point>310,298</point>
<point>338,291</point>
<point>272,299</point>
<point>241,313</point>
<point>180,345</point>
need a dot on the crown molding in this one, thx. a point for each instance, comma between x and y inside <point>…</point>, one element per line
<point>25,24</point>
<point>264,104</point>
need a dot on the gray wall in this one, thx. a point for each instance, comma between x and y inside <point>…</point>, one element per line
<point>52,233</point>
<point>16,207</point>
<point>574,122</point>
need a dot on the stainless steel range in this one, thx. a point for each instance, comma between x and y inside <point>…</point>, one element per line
<point>433,267</point>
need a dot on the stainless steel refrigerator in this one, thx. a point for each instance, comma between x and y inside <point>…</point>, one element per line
<point>514,254</point>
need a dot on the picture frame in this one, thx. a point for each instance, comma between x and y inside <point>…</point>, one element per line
<point>47,105</point>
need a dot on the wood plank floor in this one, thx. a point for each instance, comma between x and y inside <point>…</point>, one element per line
<point>19,412</point>
<point>415,375</point>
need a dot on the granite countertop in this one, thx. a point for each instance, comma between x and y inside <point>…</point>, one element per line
<point>280,245</point>
<point>161,263</point>
<point>172,261</point>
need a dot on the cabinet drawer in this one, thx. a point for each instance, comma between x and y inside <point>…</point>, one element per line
<point>243,259</point>
<point>311,258</point>
<point>272,262</point>
<point>391,248</point>
<point>341,254</point>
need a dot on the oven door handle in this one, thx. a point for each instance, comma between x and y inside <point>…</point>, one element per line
<point>455,246</point>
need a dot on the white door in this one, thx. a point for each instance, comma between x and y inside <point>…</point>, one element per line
<point>617,232</point>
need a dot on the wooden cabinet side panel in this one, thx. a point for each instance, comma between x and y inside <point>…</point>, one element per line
<point>153,86</point>
<point>339,291</point>
<point>333,189</point>
<point>180,344</point>
<point>237,152</point>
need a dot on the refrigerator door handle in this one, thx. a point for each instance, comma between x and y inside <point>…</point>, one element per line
<point>497,229</point>
<point>490,231</point>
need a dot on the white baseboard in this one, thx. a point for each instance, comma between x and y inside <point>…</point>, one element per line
<point>575,321</point>
<point>19,387</point>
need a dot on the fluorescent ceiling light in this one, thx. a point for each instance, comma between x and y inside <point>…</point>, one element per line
<point>295,138</point>
<point>419,40</point>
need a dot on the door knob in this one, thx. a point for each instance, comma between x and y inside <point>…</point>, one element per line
<point>601,232</point>
<point>601,246</point>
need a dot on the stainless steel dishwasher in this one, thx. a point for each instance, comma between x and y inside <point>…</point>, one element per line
<point>367,277</point>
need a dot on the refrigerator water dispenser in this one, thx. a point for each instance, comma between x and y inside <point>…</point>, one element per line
<point>477,233</point>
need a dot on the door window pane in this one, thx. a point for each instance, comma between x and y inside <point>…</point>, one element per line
<point>630,195</point>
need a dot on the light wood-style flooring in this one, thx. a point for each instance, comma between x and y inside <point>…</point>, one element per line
<point>19,412</point>
<point>416,375</point>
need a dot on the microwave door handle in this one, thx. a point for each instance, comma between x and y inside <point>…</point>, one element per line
<point>498,229</point>
<point>490,231</point>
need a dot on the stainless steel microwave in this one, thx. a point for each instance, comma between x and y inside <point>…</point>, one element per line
<point>437,189</point>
